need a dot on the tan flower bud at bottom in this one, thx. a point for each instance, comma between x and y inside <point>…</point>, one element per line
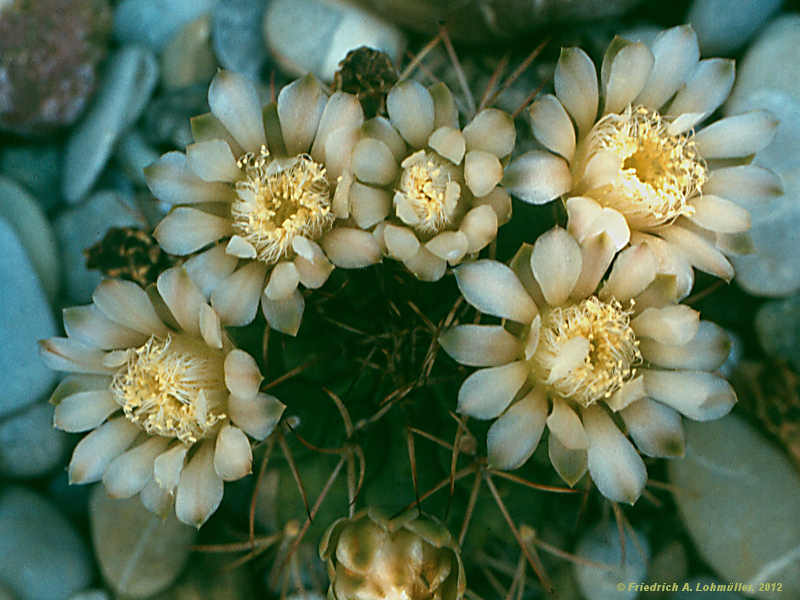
<point>410,557</point>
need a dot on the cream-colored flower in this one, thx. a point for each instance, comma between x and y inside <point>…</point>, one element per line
<point>628,162</point>
<point>166,396</point>
<point>263,181</point>
<point>580,362</point>
<point>410,557</point>
<point>436,183</point>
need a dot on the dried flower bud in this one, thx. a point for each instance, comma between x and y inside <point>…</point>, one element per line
<point>368,74</point>
<point>128,253</point>
<point>410,557</point>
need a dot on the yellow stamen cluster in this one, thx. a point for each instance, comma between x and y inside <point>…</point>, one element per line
<point>172,387</point>
<point>423,187</point>
<point>660,171</point>
<point>602,365</point>
<point>278,200</point>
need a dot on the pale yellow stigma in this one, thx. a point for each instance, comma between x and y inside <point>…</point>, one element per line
<point>278,200</point>
<point>659,173</point>
<point>586,351</point>
<point>428,193</point>
<point>172,387</point>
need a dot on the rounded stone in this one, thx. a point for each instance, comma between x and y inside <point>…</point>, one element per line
<point>26,317</point>
<point>43,556</point>
<point>83,226</point>
<point>29,445</point>
<point>49,51</point>
<point>739,497</point>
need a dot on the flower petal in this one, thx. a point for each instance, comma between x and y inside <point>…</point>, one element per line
<point>380,128</point>
<point>449,245</point>
<point>401,243</point>
<point>556,263</point>
<point>699,395</point>
<point>482,171</point>
<point>283,281</point>
<point>698,251</point>
<point>706,351</point>
<point>630,392</point>
<point>745,184</point>
<point>242,376</point>
<point>625,71</point>
<point>210,268</point>
<point>675,324</point>
<point>487,392</point>
<point>182,298</point>
<point>492,130</point>
<point>168,465</point>
<point>537,177</point>
<point>444,106</point>
<point>520,263</point>
<point>88,325</point>
<point>64,354</point>
<point>656,429</point>
<point>552,127</point>
<point>83,411</point>
<point>719,215</point>
<point>233,99</point>
<point>569,464</point>
<point>425,265</point>
<point>616,468</point>
<point>737,136</point>
<point>448,143</point>
<point>185,230</point>
<point>126,303</point>
<point>494,289</point>
<point>236,299</point>
<point>369,205</point>
<point>575,83</point>
<point>411,111</point>
<point>350,248</point>
<point>300,108</point>
<point>373,162</point>
<point>256,416</point>
<point>127,474</point>
<point>342,110</point>
<point>95,451</point>
<point>634,269</point>
<point>480,226</point>
<point>313,267</point>
<point>233,458</point>
<point>705,89</point>
<point>284,315</point>
<point>480,345</point>
<point>207,127</point>
<point>513,437</point>
<point>597,252</point>
<point>213,161</point>
<point>565,424</point>
<point>210,326</point>
<point>171,181</point>
<point>155,499</point>
<point>200,489</point>
<point>675,53</point>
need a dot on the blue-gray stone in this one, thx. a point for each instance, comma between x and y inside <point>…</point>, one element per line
<point>26,317</point>
<point>83,226</point>
<point>130,78</point>
<point>29,445</point>
<point>43,556</point>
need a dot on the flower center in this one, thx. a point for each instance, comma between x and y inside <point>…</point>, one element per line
<point>586,351</point>
<point>278,200</point>
<point>659,172</point>
<point>428,193</point>
<point>173,387</point>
